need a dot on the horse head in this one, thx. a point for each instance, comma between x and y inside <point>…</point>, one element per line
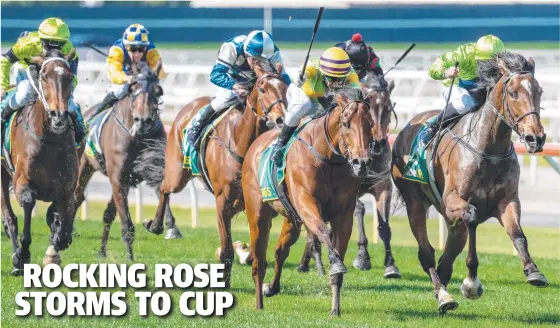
<point>520,103</point>
<point>355,130</point>
<point>54,87</point>
<point>268,97</point>
<point>145,93</point>
<point>378,96</point>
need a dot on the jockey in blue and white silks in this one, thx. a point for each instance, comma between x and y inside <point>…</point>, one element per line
<point>234,75</point>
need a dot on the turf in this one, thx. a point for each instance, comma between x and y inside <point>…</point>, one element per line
<point>367,298</point>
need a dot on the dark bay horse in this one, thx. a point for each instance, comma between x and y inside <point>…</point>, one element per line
<point>476,173</point>
<point>226,147</point>
<point>133,142</point>
<point>322,184</point>
<point>44,158</point>
<point>378,183</point>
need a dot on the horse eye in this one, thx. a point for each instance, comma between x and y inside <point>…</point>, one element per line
<point>261,90</point>
<point>513,94</point>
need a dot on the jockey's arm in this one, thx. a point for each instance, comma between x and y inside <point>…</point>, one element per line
<point>6,63</point>
<point>73,62</point>
<point>277,58</point>
<point>374,65</point>
<point>115,66</point>
<point>152,57</point>
<point>226,59</point>
<point>448,59</point>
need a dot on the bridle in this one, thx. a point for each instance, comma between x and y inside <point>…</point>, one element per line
<point>39,90</point>
<point>511,120</point>
<point>266,110</point>
<point>368,92</point>
<point>346,153</point>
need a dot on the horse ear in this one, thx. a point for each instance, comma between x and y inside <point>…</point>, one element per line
<point>391,86</point>
<point>158,67</point>
<point>279,68</point>
<point>532,62</point>
<point>503,67</point>
<point>71,55</point>
<point>38,60</point>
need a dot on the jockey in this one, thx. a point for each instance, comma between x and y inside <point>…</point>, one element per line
<point>331,72</point>
<point>361,55</point>
<point>53,33</point>
<point>460,101</point>
<point>133,47</point>
<point>233,73</point>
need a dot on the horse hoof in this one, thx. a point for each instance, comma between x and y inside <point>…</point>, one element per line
<point>392,272</point>
<point>148,224</point>
<point>471,289</point>
<point>362,263</point>
<point>446,302</point>
<point>321,271</point>
<point>268,291</point>
<point>173,233</point>
<point>52,256</point>
<point>537,279</point>
<point>337,268</point>
<point>303,268</point>
<point>16,272</point>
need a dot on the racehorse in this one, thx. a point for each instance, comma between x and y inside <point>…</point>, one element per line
<point>45,163</point>
<point>132,140</point>
<point>227,144</point>
<point>322,180</point>
<point>477,172</point>
<point>377,183</point>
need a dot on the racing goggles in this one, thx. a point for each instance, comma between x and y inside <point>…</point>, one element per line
<point>335,81</point>
<point>53,44</point>
<point>136,48</point>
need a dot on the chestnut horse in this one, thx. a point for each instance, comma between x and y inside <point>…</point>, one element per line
<point>45,159</point>
<point>476,173</point>
<point>226,147</point>
<point>133,142</point>
<point>323,172</point>
<point>377,183</point>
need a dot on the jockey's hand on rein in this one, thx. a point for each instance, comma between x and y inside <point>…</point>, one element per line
<point>241,90</point>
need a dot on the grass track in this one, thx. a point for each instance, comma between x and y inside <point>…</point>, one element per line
<point>367,299</point>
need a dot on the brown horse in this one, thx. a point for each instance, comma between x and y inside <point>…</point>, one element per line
<point>377,183</point>
<point>476,173</point>
<point>133,142</point>
<point>323,173</point>
<point>45,159</point>
<point>227,144</point>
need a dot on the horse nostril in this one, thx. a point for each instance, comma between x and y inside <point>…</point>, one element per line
<point>136,120</point>
<point>383,142</point>
<point>369,162</point>
<point>279,121</point>
<point>355,161</point>
<point>52,113</point>
<point>530,139</point>
<point>149,120</point>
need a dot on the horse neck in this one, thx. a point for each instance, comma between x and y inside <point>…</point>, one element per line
<point>123,110</point>
<point>491,135</point>
<point>333,132</point>
<point>247,130</point>
<point>35,116</point>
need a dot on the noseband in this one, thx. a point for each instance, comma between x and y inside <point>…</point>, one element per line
<point>39,90</point>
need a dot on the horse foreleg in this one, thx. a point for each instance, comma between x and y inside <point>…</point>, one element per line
<point>155,226</point>
<point>10,219</point>
<point>458,208</point>
<point>341,232</point>
<point>61,229</point>
<point>510,216</point>
<point>382,193</point>
<point>225,215</point>
<point>416,212</point>
<point>172,231</point>
<point>362,260</point>
<point>306,257</point>
<point>288,236</point>
<point>108,218</point>
<point>312,249</point>
<point>27,200</point>
<point>120,197</point>
<point>454,245</point>
<point>311,214</point>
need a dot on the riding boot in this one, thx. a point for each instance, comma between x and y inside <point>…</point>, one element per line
<point>8,108</point>
<point>199,124</point>
<point>109,100</point>
<point>79,127</point>
<point>277,151</point>
<point>443,119</point>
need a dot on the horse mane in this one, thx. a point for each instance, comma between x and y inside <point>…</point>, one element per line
<point>489,72</point>
<point>353,94</point>
<point>374,81</point>
<point>266,66</point>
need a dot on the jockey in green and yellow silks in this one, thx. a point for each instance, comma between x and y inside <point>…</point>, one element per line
<point>53,33</point>
<point>460,101</point>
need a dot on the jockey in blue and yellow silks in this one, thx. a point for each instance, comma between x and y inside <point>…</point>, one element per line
<point>133,47</point>
<point>233,72</point>
<point>53,33</point>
